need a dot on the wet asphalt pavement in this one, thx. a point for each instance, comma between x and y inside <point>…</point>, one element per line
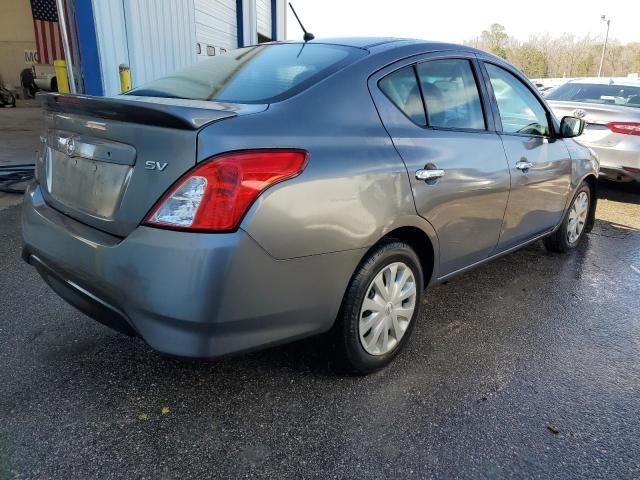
<point>503,355</point>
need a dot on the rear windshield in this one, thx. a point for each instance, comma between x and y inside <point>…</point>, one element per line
<point>596,93</point>
<point>258,74</point>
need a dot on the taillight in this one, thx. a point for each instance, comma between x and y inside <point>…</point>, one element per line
<point>216,194</point>
<point>628,128</point>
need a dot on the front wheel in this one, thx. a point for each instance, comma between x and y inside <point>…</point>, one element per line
<point>379,309</point>
<point>572,230</point>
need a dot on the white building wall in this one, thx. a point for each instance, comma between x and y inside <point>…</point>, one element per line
<point>249,22</point>
<point>263,12</point>
<point>157,37</point>
<point>161,37</point>
<point>153,37</point>
<point>111,37</point>
<point>216,25</point>
<point>281,24</point>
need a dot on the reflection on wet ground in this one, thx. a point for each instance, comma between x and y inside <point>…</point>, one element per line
<point>525,367</point>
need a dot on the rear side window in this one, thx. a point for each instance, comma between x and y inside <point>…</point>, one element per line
<point>401,87</point>
<point>258,74</point>
<point>451,94</point>
<point>598,93</point>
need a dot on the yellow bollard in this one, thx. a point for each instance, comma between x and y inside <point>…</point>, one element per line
<point>60,67</point>
<point>125,78</point>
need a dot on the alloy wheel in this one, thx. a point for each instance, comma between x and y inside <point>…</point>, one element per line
<point>577,217</point>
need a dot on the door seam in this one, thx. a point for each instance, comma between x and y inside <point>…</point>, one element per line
<point>506,207</point>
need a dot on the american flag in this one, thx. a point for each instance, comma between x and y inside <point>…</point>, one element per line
<point>47,30</point>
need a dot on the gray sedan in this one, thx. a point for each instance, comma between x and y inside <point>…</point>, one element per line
<point>289,189</point>
<point>611,108</point>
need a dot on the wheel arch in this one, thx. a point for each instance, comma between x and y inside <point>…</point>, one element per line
<point>422,245</point>
<point>592,181</point>
<point>420,242</point>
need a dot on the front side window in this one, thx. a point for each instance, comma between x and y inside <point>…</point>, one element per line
<point>451,94</point>
<point>520,111</point>
<point>401,87</point>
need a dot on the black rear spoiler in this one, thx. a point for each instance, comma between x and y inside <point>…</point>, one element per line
<point>162,112</point>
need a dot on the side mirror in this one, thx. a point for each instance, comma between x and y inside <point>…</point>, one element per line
<point>571,127</point>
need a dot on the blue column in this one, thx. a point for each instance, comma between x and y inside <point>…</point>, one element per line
<point>91,73</point>
<point>240,23</point>
<point>274,20</point>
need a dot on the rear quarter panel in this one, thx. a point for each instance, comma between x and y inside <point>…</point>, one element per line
<point>354,188</point>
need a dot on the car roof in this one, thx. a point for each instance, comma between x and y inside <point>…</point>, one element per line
<point>383,43</point>
<point>624,81</point>
<point>360,42</point>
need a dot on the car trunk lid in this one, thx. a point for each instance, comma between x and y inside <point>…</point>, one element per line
<point>595,113</point>
<point>106,161</point>
<point>596,132</point>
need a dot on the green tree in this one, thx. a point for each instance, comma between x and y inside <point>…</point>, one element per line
<point>564,56</point>
<point>636,59</point>
<point>495,40</point>
<point>531,60</point>
<point>586,66</point>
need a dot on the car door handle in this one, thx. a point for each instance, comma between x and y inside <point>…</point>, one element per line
<point>522,165</point>
<point>428,174</point>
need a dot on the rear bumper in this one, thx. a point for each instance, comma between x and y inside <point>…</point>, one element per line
<point>82,299</point>
<point>185,294</point>
<point>619,174</point>
<point>617,163</point>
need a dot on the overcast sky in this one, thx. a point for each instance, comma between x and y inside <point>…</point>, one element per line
<point>459,20</point>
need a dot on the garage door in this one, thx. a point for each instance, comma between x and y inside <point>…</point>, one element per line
<point>216,26</point>
<point>160,37</point>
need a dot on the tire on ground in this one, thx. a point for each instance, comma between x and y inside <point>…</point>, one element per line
<point>559,241</point>
<point>349,353</point>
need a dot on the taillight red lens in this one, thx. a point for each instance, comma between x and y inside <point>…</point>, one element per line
<point>628,128</point>
<point>216,194</point>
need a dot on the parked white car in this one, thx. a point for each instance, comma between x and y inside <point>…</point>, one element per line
<point>611,108</point>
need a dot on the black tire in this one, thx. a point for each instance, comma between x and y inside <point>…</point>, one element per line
<point>349,353</point>
<point>7,99</point>
<point>559,240</point>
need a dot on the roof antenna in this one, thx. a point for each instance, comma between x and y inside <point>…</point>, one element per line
<point>307,35</point>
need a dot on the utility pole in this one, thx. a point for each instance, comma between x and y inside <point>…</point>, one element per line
<point>604,47</point>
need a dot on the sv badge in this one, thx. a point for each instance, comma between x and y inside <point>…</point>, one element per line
<point>151,165</point>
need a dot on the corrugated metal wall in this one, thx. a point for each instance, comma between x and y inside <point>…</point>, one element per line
<point>281,24</point>
<point>216,25</point>
<point>111,37</point>
<point>153,37</point>
<point>161,37</point>
<point>157,37</point>
<point>263,11</point>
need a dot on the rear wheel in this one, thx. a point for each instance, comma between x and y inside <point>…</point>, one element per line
<point>573,226</point>
<point>379,309</point>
